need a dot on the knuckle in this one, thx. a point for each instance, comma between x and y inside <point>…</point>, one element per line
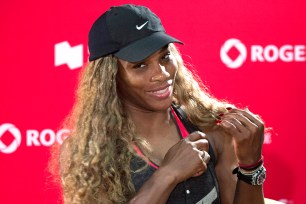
<point>205,144</point>
<point>202,134</point>
<point>207,159</point>
<point>198,133</point>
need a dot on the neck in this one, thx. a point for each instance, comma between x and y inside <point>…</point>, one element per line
<point>158,129</point>
<point>150,124</point>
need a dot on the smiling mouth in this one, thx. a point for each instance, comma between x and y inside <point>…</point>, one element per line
<point>163,93</point>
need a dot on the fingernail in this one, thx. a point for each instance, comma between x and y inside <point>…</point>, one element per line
<point>218,122</point>
<point>229,108</point>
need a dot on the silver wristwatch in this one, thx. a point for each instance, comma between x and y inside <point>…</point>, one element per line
<point>252,177</point>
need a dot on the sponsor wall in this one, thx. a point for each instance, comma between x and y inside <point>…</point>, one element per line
<point>252,53</point>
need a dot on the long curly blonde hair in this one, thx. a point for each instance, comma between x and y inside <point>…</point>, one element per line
<point>95,158</point>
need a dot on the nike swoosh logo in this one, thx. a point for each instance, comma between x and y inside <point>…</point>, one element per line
<point>141,26</point>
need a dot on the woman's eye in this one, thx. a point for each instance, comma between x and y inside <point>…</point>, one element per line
<point>140,65</point>
<point>166,57</point>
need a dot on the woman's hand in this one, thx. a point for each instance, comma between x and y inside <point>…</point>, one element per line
<point>247,131</point>
<point>182,161</point>
<point>188,157</point>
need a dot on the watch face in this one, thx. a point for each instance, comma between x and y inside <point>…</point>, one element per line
<point>261,178</point>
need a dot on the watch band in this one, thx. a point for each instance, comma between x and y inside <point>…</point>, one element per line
<point>254,177</point>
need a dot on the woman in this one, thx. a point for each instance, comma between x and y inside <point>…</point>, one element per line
<point>144,130</point>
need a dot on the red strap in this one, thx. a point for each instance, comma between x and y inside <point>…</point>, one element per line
<point>252,166</point>
<point>182,128</point>
<point>139,152</point>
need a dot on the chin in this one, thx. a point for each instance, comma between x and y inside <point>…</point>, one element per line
<point>162,105</point>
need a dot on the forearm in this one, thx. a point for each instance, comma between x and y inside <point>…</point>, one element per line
<point>246,193</point>
<point>156,190</point>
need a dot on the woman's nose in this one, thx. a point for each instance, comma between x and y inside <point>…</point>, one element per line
<point>160,73</point>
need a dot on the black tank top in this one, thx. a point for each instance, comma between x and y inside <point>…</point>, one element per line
<point>202,189</point>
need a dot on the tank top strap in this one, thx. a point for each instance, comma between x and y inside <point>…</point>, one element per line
<point>179,123</point>
<point>186,127</point>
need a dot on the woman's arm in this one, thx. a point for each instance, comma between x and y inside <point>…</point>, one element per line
<point>157,189</point>
<point>240,141</point>
<point>246,193</point>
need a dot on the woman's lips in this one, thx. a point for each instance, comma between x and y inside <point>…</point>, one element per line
<point>161,93</point>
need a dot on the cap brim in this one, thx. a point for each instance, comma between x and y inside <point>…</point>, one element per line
<point>143,48</point>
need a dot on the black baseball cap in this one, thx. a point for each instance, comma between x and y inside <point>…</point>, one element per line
<point>129,32</point>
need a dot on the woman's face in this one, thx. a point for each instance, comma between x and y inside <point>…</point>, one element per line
<point>148,85</point>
